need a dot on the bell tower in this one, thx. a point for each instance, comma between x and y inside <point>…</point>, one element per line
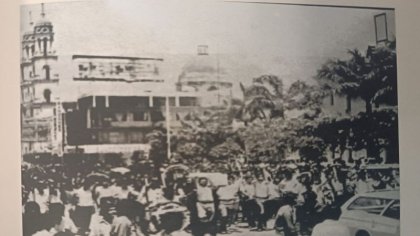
<point>43,36</point>
<point>27,51</point>
<point>28,42</point>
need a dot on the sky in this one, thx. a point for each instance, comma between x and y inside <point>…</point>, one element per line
<point>291,42</point>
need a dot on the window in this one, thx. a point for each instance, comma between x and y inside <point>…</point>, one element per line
<point>369,205</point>
<point>116,137</point>
<point>120,116</point>
<point>27,51</point>
<point>136,137</point>
<point>393,211</point>
<point>47,71</point>
<point>140,116</point>
<point>187,101</point>
<point>45,45</point>
<point>212,88</point>
<point>47,95</point>
<point>39,44</point>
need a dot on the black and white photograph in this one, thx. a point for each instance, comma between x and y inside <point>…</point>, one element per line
<point>177,118</point>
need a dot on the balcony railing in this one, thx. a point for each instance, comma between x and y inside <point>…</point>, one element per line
<point>127,124</point>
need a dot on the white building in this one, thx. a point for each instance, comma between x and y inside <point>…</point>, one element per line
<point>204,75</point>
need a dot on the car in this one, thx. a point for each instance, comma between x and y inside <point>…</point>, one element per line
<point>372,214</point>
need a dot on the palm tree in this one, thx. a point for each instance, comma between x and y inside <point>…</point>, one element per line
<point>303,96</point>
<point>383,61</point>
<point>376,75</point>
<point>338,77</point>
<point>263,99</point>
<point>373,78</point>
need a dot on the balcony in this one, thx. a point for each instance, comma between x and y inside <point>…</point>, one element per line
<point>131,124</point>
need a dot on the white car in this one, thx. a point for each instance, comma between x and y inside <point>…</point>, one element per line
<point>372,214</point>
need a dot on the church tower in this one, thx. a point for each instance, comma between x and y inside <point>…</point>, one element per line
<point>40,103</point>
<point>43,36</point>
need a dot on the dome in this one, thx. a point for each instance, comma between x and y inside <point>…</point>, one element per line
<point>204,68</point>
<point>204,64</point>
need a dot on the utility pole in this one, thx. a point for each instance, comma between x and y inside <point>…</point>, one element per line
<point>168,127</point>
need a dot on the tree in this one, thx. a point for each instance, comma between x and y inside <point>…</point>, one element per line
<point>338,76</point>
<point>383,61</point>
<point>200,135</point>
<point>262,100</point>
<point>303,97</point>
<point>372,77</point>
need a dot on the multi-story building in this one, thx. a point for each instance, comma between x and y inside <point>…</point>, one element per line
<point>92,104</point>
<point>119,100</point>
<point>40,103</point>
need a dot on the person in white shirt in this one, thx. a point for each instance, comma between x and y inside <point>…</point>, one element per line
<point>247,188</point>
<point>85,207</point>
<point>122,190</point>
<point>288,184</point>
<point>274,189</point>
<point>250,208</point>
<point>100,224</point>
<point>103,190</point>
<point>41,195</point>
<point>63,223</point>
<point>122,224</point>
<point>55,193</point>
<point>262,192</point>
<point>205,199</point>
<point>154,194</point>
<point>274,198</point>
<point>362,185</point>
<point>228,196</point>
<point>286,216</point>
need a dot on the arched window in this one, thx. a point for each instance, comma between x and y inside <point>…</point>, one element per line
<point>32,50</point>
<point>47,72</point>
<point>45,46</point>
<point>47,95</point>
<point>39,44</point>
<point>27,51</point>
<point>212,88</point>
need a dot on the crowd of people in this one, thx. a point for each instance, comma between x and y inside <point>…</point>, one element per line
<point>96,198</point>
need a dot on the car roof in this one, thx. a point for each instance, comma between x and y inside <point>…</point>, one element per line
<point>382,166</point>
<point>387,194</point>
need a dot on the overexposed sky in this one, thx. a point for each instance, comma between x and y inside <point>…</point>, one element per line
<point>288,41</point>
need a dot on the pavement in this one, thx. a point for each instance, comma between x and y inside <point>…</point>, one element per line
<point>241,229</point>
